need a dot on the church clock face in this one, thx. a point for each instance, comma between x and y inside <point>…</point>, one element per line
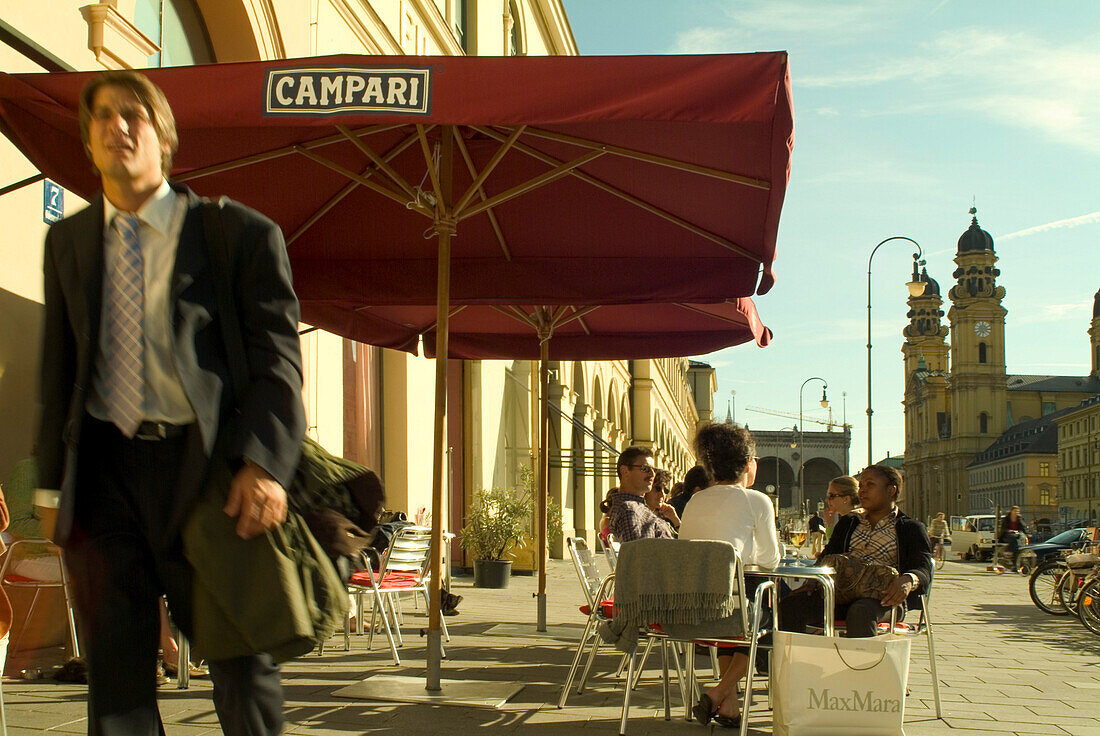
<point>982,329</point>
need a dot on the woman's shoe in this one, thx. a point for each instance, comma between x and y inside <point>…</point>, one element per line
<point>728,721</point>
<point>704,709</point>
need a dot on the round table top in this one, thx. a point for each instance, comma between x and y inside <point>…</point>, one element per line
<point>791,570</point>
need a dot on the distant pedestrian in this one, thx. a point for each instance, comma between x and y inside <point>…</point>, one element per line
<point>816,528</point>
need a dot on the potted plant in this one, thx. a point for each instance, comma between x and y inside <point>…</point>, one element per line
<point>498,522</point>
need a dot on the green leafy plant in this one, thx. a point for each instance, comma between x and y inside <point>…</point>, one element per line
<point>499,520</point>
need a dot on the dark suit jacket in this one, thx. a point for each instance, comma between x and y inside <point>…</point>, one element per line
<point>265,425</point>
<point>914,550</point>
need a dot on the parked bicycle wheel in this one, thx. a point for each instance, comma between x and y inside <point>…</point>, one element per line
<point>1088,606</point>
<point>1069,588</point>
<point>1042,584</point>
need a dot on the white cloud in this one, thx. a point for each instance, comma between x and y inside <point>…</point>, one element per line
<point>1092,217</point>
<point>1011,78</point>
<point>832,20</point>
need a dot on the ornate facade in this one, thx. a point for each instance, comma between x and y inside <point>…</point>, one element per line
<point>959,397</point>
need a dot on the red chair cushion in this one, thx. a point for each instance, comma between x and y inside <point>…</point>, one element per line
<point>391,581</point>
<point>607,608</point>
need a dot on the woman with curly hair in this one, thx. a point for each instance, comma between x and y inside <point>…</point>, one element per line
<point>729,510</point>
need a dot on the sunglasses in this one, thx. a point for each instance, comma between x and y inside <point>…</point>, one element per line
<point>646,469</point>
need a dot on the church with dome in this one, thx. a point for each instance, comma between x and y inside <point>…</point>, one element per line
<point>976,436</point>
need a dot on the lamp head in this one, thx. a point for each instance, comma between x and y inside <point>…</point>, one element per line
<point>824,398</point>
<point>915,285</point>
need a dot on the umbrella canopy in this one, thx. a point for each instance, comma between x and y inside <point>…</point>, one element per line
<point>577,180</point>
<point>607,332</point>
<point>553,181</point>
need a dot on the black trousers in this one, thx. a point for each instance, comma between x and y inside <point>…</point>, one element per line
<point>120,563</point>
<point>799,610</point>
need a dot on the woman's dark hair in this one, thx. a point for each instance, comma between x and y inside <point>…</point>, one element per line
<point>724,450</point>
<point>662,480</point>
<point>605,504</point>
<point>696,479</point>
<point>891,475</point>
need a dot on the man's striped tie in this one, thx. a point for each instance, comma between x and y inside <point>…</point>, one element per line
<point>125,360</point>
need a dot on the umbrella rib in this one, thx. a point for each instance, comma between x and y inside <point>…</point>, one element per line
<point>277,153</point>
<point>654,159</point>
<point>348,189</point>
<point>578,315</point>
<point>740,323</point>
<point>498,155</point>
<point>652,209</point>
<point>378,160</point>
<point>516,313</point>
<point>481,191</point>
<point>372,185</point>
<point>429,162</point>
<point>531,184</point>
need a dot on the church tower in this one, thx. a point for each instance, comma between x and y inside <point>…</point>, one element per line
<point>977,387</point>
<point>1094,335</point>
<point>927,419</point>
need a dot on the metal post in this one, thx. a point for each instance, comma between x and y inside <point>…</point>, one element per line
<point>916,256</point>
<point>802,443</point>
<point>445,229</point>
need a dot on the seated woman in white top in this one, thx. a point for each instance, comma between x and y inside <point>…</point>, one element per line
<point>728,510</point>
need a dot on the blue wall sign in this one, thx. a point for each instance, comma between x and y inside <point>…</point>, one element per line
<point>53,202</point>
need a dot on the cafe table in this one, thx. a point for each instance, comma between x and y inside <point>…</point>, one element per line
<point>804,569</point>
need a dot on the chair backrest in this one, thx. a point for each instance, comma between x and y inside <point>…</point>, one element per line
<point>587,571</point>
<point>409,550</point>
<point>611,551</point>
<point>655,577</point>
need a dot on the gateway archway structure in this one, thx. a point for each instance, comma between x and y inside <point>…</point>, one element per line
<point>825,457</point>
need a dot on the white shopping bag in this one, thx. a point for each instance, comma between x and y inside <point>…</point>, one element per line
<point>829,686</point>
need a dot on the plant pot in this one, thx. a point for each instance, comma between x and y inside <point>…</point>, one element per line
<point>492,573</point>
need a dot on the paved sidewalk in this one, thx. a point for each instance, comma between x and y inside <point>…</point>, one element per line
<point>1005,668</point>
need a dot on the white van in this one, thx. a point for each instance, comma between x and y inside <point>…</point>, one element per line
<point>972,537</point>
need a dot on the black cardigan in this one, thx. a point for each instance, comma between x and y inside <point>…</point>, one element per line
<point>914,550</point>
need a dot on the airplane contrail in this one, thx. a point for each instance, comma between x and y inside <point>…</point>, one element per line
<point>1057,224</point>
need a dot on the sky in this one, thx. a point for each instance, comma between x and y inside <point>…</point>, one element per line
<point>906,115</point>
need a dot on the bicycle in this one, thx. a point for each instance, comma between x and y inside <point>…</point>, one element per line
<point>1043,584</point>
<point>1088,604</point>
<point>939,554</point>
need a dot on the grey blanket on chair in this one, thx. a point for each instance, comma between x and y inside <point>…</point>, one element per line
<point>691,588</point>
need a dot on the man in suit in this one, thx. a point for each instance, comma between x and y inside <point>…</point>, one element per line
<point>137,401</point>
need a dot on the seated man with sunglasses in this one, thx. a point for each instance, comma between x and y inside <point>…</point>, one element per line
<point>630,517</point>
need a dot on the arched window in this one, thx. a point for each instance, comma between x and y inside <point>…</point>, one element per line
<point>983,422</point>
<point>178,28</point>
<point>981,352</point>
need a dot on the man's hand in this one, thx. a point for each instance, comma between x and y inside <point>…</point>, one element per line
<point>256,499</point>
<point>895,595</point>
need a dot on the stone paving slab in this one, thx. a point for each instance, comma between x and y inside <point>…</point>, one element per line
<point>1005,668</point>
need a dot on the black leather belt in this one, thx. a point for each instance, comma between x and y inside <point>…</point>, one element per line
<point>156,431</point>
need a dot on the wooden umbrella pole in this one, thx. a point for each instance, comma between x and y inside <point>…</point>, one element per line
<point>544,468</point>
<point>445,230</point>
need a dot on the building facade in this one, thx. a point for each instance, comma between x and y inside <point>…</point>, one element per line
<point>1079,460</point>
<point>368,404</point>
<point>959,396</point>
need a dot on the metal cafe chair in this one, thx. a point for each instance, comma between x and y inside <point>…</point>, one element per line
<point>745,619</point>
<point>403,568</point>
<point>598,592</point>
<point>25,549</point>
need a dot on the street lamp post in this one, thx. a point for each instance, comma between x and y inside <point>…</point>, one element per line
<point>801,438</point>
<point>916,288</point>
